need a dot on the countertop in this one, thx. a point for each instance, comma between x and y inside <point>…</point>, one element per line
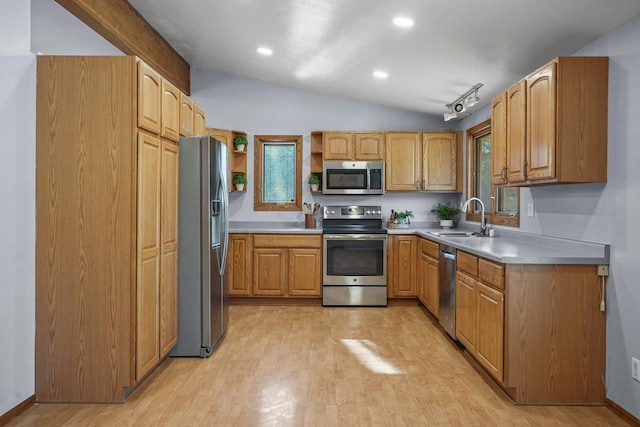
<point>507,247</point>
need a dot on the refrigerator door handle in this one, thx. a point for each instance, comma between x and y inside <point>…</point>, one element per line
<point>224,223</point>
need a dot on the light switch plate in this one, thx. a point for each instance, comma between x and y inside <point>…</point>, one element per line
<point>635,369</point>
<point>530,211</point>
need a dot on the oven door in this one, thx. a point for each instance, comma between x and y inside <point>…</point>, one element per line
<point>354,260</point>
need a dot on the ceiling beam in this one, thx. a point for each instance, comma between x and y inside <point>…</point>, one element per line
<point>122,25</point>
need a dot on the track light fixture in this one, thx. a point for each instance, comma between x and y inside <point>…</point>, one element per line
<point>460,105</point>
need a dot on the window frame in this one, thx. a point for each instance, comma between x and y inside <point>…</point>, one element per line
<point>260,141</point>
<point>493,217</point>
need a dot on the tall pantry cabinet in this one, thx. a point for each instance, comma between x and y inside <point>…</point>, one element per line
<point>106,247</point>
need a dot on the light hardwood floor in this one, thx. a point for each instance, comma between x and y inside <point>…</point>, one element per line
<point>314,366</point>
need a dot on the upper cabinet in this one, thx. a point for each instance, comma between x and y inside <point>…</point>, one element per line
<point>170,111</point>
<point>428,161</point>
<point>149,88</point>
<point>199,121</point>
<point>403,161</point>
<point>551,127</point>
<point>353,145</point>
<point>186,115</point>
<point>441,169</point>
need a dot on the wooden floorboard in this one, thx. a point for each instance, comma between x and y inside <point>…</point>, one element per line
<point>315,366</point>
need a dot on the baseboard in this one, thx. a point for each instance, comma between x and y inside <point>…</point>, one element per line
<point>273,301</point>
<point>17,410</point>
<point>621,412</point>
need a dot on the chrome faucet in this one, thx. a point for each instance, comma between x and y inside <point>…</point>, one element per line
<point>483,223</point>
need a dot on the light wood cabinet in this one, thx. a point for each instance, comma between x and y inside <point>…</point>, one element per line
<point>401,266</point>
<point>269,271</point>
<point>239,265</point>
<point>466,310</point>
<point>149,257</point>
<point>287,265</point>
<point>149,98</point>
<point>428,276</point>
<point>489,346</point>
<point>237,159</point>
<point>519,323</point>
<point>170,125</point>
<point>337,145</point>
<point>403,161</point>
<point>551,127</point>
<point>368,146</point>
<point>316,158</point>
<point>430,161</point>
<point>441,167</point>
<point>106,272</point>
<point>169,249</point>
<point>186,115</point>
<point>353,145</point>
<point>199,121</point>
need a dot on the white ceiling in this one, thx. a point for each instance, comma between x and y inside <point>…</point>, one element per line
<point>332,46</point>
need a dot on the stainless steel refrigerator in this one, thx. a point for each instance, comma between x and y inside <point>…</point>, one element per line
<point>202,248</point>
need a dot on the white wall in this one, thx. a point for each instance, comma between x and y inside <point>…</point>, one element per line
<point>608,212</point>
<point>17,210</point>
<point>240,103</point>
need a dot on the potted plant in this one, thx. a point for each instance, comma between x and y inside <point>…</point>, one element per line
<point>239,142</point>
<point>239,180</point>
<point>446,213</point>
<point>403,218</point>
<point>314,181</point>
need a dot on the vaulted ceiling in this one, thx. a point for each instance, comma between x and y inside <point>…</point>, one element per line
<point>333,46</point>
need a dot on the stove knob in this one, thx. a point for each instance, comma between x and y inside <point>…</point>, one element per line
<point>367,212</point>
<point>378,212</point>
<point>332,212</point>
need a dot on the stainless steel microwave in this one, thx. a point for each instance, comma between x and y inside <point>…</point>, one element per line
<point>352,177</point>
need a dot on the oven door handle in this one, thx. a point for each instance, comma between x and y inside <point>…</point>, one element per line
<point>354,236</point>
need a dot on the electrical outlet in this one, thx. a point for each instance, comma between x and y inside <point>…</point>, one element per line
<point>603,270</point>
<point>635,369</point>
<point>530,210</point>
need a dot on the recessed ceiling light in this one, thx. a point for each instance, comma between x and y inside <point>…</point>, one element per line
<point>403,21</point>
<point>379,74</point>
<point>263,50</point>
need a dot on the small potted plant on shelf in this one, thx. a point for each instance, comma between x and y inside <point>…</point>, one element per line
<point>239,180</point>
<point>239,142</point>
<point>314,181</point>
<point>403,219</point>
<point>446,213</point>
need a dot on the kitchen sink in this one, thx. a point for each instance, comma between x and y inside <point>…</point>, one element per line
<point>453,233</point>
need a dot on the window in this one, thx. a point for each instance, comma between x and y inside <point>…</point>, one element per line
<point>278,164</point>
<point>501,202</point>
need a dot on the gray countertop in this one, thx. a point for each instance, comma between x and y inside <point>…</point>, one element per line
<point>508,247</point>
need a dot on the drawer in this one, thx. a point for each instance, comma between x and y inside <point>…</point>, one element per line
<point>429,248</point>
<point>286,241</point>
<point>467,263</point>
<point>491,273</point>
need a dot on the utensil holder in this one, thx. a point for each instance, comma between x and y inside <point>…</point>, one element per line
<point>309,221</point>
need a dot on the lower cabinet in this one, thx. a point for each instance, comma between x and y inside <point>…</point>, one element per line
<point>490,336</point>
<point>428,276</point>
<point>239,264</point>
<point>480,311</point>
<point>401,266</point>
<point>526,325</point>
<point>287,265</point>
<point>466,311</point>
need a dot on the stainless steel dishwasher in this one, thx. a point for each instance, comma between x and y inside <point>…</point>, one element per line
<point>447,273</point>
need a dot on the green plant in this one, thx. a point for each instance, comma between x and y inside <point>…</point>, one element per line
<point>240,140</point>
<point>405,214</point>
<point>313,179</point>
<point>446,211</point>
<point>239,179</point>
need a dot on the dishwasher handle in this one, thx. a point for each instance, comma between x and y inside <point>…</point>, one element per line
<point>448,255</point>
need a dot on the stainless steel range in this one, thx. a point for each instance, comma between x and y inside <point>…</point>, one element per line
<point>354,256</point>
